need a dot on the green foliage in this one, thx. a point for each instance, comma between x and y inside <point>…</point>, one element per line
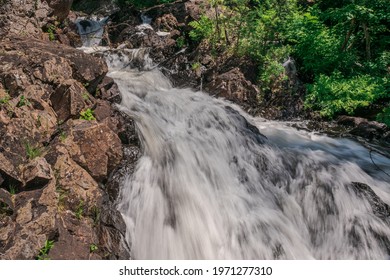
<point>63,136</point>
<point>336,94</point>
<point>384,116</point>
<point>80,210</point>
<point>42,255</point>
<point>181,42</point>
<point>95,215</point>
<point>5,99</point>
<point>272,69</point>
<point>93,248</point>
<point>32,151</point>
<point>51,31</point>
<point>87,115</point>
<point>5,210</point>
<point>341,48</point>
<point>202,29</point>
<point>85,96</point>
<point>12,189</point>
<point>195,66</point>
<point>62,195</point>
<point>314,43</point>
<point>23,101</point>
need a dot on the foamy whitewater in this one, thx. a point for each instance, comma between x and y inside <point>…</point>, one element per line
<point>214,183</point>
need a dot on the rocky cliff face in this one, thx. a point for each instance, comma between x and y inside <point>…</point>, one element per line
<point>61,141</point>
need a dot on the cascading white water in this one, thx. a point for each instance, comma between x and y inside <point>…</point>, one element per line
<point>210,186</point>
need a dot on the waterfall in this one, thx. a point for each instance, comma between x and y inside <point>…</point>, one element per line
<point>215,183</point>
<point>91,31</point>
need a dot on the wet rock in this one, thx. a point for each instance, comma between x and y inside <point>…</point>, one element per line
<point>108,90</point>
<point>351,121</point>
<point>380,209</point>
<point>161,47</point>
<point>166,22</point>
<point>369,130</point>
<point>114,242</point>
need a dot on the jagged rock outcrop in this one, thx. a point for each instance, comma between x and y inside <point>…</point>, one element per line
<point>25,18</point>
<point>55,162</point>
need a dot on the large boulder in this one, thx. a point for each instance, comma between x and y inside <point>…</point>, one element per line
<point>60,8</point>
<point>95,147</point>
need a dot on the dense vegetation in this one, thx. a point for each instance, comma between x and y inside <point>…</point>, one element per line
<point>341,48</point>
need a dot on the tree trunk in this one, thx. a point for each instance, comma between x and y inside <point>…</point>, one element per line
<point>348,35</point>
<point>367,37</point>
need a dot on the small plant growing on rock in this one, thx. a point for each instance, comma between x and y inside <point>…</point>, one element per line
<point>5,99</point>
<point>80,210</point>
<point>85,96</point>
<point>12,189</point>
<point>62,194</point>
<point>50,31</point>
<point>5,210</point>
<point>93,248</point>
<point>195,66</point>
<point>45,250</point>
<point>39,122</point>
<point>95,215</point>
<point>23,101</point>
<point>181,42</point>
<point>32,152</point>
<point>87,115</point>
<point>384,116</point>
<point>63,136</point>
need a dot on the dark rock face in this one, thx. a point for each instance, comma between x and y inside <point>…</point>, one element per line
<point>380,209</point>
<point>60,8</point>
<point>364,128</point>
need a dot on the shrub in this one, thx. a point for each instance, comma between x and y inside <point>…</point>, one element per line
<point>384,116</point>
<point>42,255</point>
<point>32,151</point>
<point>87,115</point>
<point>335,94</point>
<point>202,29</point>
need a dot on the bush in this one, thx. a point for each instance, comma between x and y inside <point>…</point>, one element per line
<point>335,94</point>
<point>87,115</point>
<point>384,116</point>
<point>202,29</point>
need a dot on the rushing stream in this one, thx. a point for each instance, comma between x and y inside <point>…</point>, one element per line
<point>210,186</point>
